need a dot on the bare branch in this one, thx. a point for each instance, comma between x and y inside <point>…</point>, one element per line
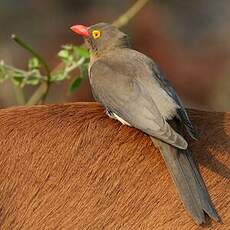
<point>130,13</point>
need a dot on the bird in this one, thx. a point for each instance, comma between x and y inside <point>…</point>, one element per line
<point>134,91</point>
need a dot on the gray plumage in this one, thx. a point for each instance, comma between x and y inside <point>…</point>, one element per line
<point>134,91</point>
<point>131,84</point>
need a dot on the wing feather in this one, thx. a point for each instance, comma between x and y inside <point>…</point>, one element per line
<point>181,111</point>
<point>127,98</point>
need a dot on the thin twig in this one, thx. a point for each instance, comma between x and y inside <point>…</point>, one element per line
<point>36,97</point>
<point>11,68</point>
<point>42,61</point>
<point>19,95</point>
<point>24,73</point>
<point>33,52</point>
<point>42,91</point>
<point>130,13</point>
<point>74,66</point>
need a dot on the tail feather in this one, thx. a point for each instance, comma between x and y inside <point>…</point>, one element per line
<point>188,181</point>
<point>207,204</point>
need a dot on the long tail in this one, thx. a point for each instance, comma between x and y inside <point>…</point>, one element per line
<point>188,181</point>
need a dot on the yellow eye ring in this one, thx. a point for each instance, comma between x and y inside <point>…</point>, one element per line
<point>96,34</point>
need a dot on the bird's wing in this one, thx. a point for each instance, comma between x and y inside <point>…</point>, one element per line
<point>165,84</point>
<point>120,92</point>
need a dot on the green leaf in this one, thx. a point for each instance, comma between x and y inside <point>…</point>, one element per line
<point>59,76</point>
<point>82,52</point>
<point>32,80</point>
<point>75,84</point>
<point>17,79</point>
<point>33,63</point>
<point>67,47</point>
<point>63,54</point>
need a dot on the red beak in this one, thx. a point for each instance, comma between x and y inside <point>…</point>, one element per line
<point>80,29</point>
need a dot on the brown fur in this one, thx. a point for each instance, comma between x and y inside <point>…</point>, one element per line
<point>71,167</point>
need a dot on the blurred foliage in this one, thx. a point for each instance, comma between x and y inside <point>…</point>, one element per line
<point>38,73</point>
<point>71,58</point>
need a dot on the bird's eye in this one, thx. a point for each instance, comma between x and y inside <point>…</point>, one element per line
<point>96,34</point>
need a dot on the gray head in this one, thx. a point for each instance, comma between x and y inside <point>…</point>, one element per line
<point>102,37</point>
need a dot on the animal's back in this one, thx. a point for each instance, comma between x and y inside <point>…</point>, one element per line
<point>71,167</point>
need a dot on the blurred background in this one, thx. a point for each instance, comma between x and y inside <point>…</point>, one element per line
<point>190,40</point>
